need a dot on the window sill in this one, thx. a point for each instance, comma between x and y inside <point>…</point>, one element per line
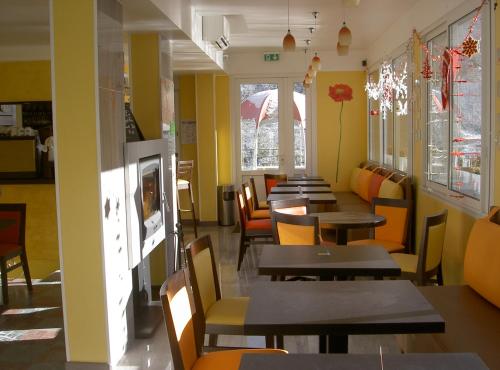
<point>449,199</point>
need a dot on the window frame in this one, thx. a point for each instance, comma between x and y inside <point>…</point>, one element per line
<point>475,207</point>
<point>397,53</point>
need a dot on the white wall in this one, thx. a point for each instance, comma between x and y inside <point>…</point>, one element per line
<point>423,16</point>
<point>252,62</point>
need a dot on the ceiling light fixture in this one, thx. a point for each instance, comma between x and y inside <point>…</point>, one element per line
<point>345,36</point>
<point>342,50</point>
<point>315,61</point>
<point>289,40</point>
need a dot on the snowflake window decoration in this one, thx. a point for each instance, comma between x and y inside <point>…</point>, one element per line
<point>383,90</point>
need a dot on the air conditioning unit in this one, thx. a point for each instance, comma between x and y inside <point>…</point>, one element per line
<point>216,30</point>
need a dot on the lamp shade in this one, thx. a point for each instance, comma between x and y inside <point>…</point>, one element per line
<point>289,42</point>
<point>316,63</point>
<point>311,71</point>
<point>345,36</point>
<point>308,79</point>
<point>342,50</point>
<point>306,85</point>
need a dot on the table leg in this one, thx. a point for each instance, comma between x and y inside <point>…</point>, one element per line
<point>322,344</point>
<point>269,341</point>
<point>341,236</point>
<point>338,344</point>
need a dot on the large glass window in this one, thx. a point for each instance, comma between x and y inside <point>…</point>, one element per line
<point>390,134</point>
<point>299,125</point>
<point>458,113</point>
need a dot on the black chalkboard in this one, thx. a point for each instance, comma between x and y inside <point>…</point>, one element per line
<point>132,130</point>
<point>37,114</point>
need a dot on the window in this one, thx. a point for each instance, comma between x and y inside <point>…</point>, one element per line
<point>458,113</point>
<point>390,139</point>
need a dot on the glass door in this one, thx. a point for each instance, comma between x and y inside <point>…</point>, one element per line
<point>271,120</point>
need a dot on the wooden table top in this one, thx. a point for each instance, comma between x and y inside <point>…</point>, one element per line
<point>297,189</point>
<point>350,220</point>
<point>414,361</point>
<point>314,198</point>
<point>327,261</point>
<point>303,183</point>
<point>339,308</point>
<point>305,178</point>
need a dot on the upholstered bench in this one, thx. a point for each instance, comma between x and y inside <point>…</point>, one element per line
<point>472,311</point>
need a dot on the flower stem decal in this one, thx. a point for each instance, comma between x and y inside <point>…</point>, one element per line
<point>340,93</point>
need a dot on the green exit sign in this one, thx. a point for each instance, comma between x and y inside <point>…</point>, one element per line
<point>271,57</point>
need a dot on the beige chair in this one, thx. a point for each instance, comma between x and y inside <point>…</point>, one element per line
<point>258,204</point>
<point>220,315</point>
<point>185,331</point>
<point>423,267</point>
<point>184,181</point>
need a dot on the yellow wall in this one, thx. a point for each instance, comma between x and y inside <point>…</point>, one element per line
<point>30,81</point>
<point>187,106</point>
<point>78,179</point>
<point>25,81</point>
<point>223,126</point>
<point>207,156</point>
<point>145,82</point>
<point>354,132</point>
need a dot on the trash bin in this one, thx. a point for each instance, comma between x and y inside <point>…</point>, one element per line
<point>225,204</point>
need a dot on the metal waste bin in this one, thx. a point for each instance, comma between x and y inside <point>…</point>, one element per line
<point>225,204</point>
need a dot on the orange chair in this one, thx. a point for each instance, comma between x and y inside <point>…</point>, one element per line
<point>12,244</point>
<point>250,229</point>
<point>258,205</point>
<point>295,206</point>
<point>393,235</point>
<point>290,229</point>
<point>252,212</point>
<point>270,181</point>
<point>185,331</point>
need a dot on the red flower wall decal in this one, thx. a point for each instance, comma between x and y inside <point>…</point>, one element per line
<point>340,93</point>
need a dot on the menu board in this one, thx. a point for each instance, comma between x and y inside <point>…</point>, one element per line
<point>37,114</point>
<point>133,132</point>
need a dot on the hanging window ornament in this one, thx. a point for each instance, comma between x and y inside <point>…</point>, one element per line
<point>426,70</point>
<point>470,46</point>
<point>401,92</point>
<point>445,78</point>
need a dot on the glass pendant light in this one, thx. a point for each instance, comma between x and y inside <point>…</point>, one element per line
<point>289,40</point>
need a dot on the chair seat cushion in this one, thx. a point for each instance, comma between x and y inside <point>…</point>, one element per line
<point>228,360</point>
<point>407,262</point>
<point>260,213</point>
<point>8,249</point>
<point>263,204</point>
<point>391,247</point>
<point>227,311</point>
<point>262,224</point>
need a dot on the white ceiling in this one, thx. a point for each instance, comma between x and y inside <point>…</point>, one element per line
<point>267,20</point>
<point>26,23</point>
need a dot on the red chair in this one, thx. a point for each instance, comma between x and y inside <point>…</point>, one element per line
<point>250,229</point>
<point>252,211</point>
<point>270,181</point>
<point>258,204</point>
<point>12,244</point>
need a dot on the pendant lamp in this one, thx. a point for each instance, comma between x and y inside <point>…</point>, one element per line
<point>289,40</point>
<point>311,71</point>
<point>316,62</point>
<point>345,36</point>
<point>342,50</point>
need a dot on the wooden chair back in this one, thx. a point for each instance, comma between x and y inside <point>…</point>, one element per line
<point>247,197</point>
<point>289,229</point>
<point>203,274</point>
<point>242,212</point>
<point>431,248</point>
<point>271,180</point>
<point>255,198</point>
<point>14,230</point>
<point>294,206</point>
<point>181,321</point>
<point>185,170</point>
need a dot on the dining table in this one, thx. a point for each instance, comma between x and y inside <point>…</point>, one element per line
<point>305,178</point>
<point>303,183</point>
<point>338,309</point>
<point>343,221</point>
<point>300,189</point>
<point>314,198</point>
<point>387,361</point>
<point>326,262</point>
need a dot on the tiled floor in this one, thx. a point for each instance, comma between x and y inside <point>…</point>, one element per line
<point>45,348</point>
